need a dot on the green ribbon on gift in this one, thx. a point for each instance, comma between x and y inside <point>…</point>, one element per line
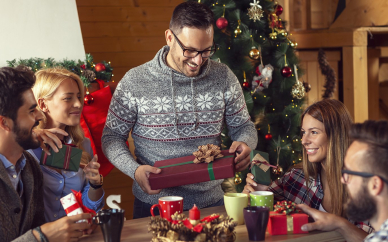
<point>209,166</point>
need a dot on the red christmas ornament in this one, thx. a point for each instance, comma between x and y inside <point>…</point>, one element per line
<point>246,84</point>
<point>99,67</point>
<point>88,99</point>
<point>222,23</point>
<point>83,66</point>
<point>268,136</point>
<point>286,71</point>
<point>278,9</point>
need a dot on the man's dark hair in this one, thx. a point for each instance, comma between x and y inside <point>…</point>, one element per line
<point>375,135</point>
<point>13,83</point>
<point>192,15</point>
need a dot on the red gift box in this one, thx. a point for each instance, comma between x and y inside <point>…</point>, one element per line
<point>286,224</point>
<point>182,171</point>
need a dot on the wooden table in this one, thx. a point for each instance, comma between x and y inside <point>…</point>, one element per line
<point>137,230</point>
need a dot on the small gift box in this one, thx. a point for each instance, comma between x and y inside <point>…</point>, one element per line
<point>68,158</point>
<point>188,170</point>
<point>72,204</point>
<point>260,167</point>
<point>285,219</point>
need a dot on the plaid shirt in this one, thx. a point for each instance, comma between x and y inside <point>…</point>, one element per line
<point>381,235</point>
<point>293,187</point>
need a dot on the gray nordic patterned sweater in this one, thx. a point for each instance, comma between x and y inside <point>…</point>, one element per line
<point>170,115</point>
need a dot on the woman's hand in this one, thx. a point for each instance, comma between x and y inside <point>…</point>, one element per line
<point>91,171</point>
<point>49,136</point>
<point>252,186</point>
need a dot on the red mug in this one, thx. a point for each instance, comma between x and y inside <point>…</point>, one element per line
<point>168,206</point>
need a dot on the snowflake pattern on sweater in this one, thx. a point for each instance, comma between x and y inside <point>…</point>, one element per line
<point>170,115</point>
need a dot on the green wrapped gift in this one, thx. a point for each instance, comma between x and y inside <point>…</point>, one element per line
<point>261,171</point>
<point>68,158</point>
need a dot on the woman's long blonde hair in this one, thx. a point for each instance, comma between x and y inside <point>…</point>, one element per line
<point>47,82</point>
<point>337,121</point>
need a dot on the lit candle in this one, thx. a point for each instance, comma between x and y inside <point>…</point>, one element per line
<point>194,213</point>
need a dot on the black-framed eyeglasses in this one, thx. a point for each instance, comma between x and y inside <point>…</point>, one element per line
<point>190,53</point>
<point>346,173</point>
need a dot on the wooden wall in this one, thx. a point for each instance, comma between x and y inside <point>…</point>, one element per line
<point>127,33</point>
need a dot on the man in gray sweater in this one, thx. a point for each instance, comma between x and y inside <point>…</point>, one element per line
<point>174,103</point>
<point>21,180</point>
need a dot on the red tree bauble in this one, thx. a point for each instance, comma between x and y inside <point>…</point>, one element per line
<point>83,66</point>
<point>245,84</point>
<point>88,99</point>
<point>278,9</point>
<point>268,136</point>
<point>99,67</point>
<point>286,71</point>
<point>222,23</point>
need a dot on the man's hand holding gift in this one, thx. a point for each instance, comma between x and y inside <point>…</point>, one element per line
<point>242,159</point>
<point>142,174</point>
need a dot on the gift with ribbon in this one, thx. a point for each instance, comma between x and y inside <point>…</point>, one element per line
<point>260,167</point>
<point>207,164</point>
<point>73,205</point>
<point>68,158</point>
<point>286,219</point>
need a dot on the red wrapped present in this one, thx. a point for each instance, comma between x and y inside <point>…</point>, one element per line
<point>184,170</point>
<point>286,219</point>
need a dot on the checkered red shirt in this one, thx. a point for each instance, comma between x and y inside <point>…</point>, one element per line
<point>293,187</point>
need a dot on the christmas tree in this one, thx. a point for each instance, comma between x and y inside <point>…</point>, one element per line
<point>252,40</point>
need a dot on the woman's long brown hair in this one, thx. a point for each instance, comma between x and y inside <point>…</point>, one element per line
<point>337,121</point>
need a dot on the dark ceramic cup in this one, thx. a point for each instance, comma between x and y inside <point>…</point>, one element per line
<point>256,220</point>
<point>111,222</point>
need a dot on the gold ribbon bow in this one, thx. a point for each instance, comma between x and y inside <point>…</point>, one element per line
<point>207,153</point>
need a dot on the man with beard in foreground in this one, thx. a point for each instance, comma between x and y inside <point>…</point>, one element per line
<point>365,174</point>
<point>21,180</point>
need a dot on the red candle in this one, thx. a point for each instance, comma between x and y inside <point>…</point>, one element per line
<point>194,213</point>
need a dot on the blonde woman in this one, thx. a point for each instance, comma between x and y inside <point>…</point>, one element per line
<point>59,94</point>
<point>317,181</point>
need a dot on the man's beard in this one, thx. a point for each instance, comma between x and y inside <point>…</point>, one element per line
<point>25,138</point>
<point>362,208</point>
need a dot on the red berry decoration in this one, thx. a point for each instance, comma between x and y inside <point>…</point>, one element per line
<point>278,9</point>
<point>268,136</point>
<point>88,99</point>
<point>99,67</point>
<point>222,23</point>
<point>246,84</point>
<point>83,66</point>
<point>286,71</point>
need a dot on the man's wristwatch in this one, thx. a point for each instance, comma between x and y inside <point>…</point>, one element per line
<point>99,185</point>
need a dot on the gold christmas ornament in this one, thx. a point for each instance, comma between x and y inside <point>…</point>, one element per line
<point>237,31</point>
<point>254,53</point>
<point>237,179</point>
<point>277,171</point>
<point>273,35</point>
<point>293,44</point>
<point>298,90</point>
<point>255,12</point>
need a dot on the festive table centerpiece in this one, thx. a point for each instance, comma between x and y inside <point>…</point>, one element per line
<point>217,228</point>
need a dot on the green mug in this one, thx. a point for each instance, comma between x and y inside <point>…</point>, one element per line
<point>262,198</point>
<point>235,204</point>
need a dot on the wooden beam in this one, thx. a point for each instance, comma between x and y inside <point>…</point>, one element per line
<point>362,13</point>
<point>355,79</point>
<point>329,39</point>
<point>373,83</point>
